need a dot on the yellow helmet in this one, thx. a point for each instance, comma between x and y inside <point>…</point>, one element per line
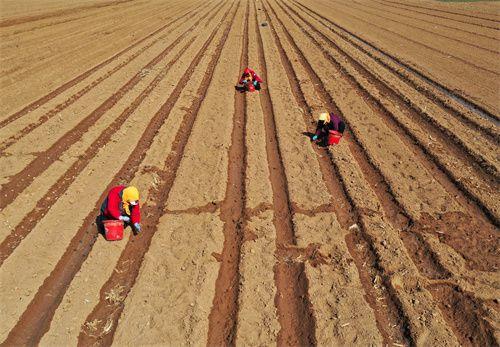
<point>130,194</point>
<point>324,116</point>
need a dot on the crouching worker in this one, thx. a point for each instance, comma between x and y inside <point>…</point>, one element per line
<point>250,80</point>
<point>122,203</point>
<point>327,122</point>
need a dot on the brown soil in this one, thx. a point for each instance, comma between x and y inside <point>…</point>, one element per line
<point>252,234</point>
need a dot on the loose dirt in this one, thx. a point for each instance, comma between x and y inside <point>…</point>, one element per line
<point>252,234</point>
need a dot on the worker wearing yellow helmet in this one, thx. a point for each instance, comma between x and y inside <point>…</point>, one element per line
<point>122,203</point>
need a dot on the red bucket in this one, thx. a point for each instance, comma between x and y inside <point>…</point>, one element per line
<point>334,137</point>
<point>113,230</point>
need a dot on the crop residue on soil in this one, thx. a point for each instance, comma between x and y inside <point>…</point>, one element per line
<point>252,234</point>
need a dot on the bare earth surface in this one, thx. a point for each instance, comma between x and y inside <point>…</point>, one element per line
<point>252,235</point>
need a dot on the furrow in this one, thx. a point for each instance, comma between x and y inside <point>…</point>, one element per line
<point>463,60</point>
<point>452,171</point>
<point>21,180</point>
<point>367,253</point>
<point>26,201</point>
<point>57,126</point>
<point>426,260</point>
<point>189,246</point>
<point>99,21</point>
<point>470,206</point>
<point>342,209</point>
<point>257,321</point>
<point>463,100</point>
<point>9,244</point>
<point>34,105</point>
<point>68,318</point>
<point>35,320</point>
<point>93,84</point>
<point>223,315</point>
<point>465,315</point>
<point>441,24</point>
<point>68,155</point>
<point>133,255</point>
<point>52,57</point>
<point>432,91</point>
<point>294,309</point>
<point>326,93</point>
<point>410,25</point>
<point>45,25</point>
<point>449,12</point>
<point>389,319</point>
<point>21,20</point>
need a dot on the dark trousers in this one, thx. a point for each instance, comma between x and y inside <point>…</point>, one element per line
<point>323,129</point>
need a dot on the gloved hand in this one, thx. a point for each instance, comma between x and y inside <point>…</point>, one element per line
<point>137,227</point>
<point>126,219</point>
<point>315,137</point>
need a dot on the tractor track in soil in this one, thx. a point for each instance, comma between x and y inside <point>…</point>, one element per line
<point>450,93</point>
<point>73,98</point>
<point>59,90</point>
<point>21,180</point>
<point>406,133</point>
<point>36,319</point>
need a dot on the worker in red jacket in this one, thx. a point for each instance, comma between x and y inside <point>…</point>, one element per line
<point>122,203</point>
<point>250,80</point>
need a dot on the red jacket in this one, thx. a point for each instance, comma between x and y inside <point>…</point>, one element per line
<point>112,207</point>
<point>255,77</point>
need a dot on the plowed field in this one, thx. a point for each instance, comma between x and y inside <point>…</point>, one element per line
<point>252,234</point>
